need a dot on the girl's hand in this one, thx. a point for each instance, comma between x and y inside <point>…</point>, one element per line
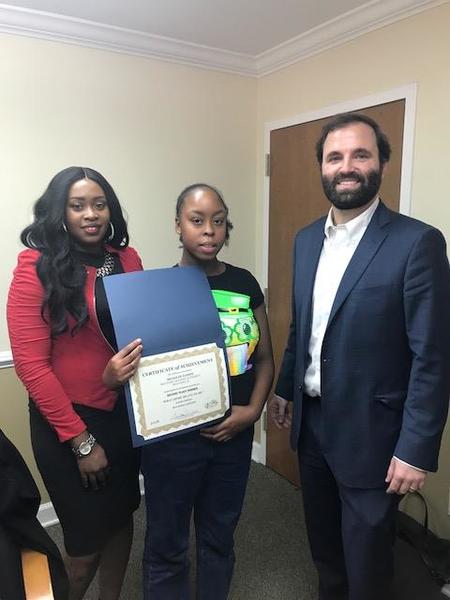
<point>241,417</point>
<point>94,468</point>
<point>122,365</point>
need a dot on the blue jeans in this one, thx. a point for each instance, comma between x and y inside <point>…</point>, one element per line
<point>184,474</point>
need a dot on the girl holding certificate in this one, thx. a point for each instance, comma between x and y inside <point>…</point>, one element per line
<point>205,472</point>
<point>62,342</point>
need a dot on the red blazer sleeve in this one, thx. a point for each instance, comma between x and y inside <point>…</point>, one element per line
<point>31,346</point>
<point>130,259</point>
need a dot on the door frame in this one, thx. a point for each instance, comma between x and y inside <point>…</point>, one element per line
<point>409,94</point>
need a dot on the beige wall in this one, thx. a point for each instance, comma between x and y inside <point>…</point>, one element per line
<point>150,127</point>
<point>413,50</point>
<point>14,421</point>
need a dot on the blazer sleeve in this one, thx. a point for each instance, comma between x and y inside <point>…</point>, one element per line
<point>285,383</point>
<point>130,259</point>
<point>31,346</point>
<point>135,259</point>
<point>427,317</point>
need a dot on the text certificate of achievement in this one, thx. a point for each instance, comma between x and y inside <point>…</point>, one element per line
<point>176,390</point>
<point>182,381</point>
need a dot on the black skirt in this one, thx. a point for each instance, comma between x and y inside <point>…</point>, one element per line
<point>88,517</point>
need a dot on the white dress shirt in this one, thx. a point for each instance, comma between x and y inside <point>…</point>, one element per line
<point>338,247</point>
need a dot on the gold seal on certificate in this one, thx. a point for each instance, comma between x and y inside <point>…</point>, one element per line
<point>178,390</point>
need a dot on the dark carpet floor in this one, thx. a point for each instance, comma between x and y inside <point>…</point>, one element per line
<point>273,559</point>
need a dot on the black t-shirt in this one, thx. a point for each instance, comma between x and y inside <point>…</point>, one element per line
<point>236,293</point>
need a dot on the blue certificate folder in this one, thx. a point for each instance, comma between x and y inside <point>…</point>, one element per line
<point>169,309</point>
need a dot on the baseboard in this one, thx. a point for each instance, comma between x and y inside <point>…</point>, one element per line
<point>257,453</point>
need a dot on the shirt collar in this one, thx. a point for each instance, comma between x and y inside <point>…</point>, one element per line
<point>355,227</point>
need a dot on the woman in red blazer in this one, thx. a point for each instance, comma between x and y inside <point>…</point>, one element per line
<point>65,353</point>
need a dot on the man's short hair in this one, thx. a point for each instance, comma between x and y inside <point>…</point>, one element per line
<point>344,119</point>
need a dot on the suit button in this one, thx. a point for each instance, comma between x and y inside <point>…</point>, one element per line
<point>324,360</point>
<point>300,388</point>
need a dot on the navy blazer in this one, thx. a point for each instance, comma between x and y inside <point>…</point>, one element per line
<point>385,360</point>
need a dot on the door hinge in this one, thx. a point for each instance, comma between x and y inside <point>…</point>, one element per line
<point>267,165</point>
<point>266,297</point>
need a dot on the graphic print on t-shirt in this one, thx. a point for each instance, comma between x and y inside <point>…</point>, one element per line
<point>240,328</point>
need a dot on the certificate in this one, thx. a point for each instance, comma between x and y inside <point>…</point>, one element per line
<point>178,390</point>
<point>182,379</point>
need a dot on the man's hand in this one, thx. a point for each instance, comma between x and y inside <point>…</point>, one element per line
<point>122,365</point>
<point>241,417</point>
<point>279,411</point>
<point>403,478</point>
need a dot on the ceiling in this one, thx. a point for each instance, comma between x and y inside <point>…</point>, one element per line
<point>250,37</point>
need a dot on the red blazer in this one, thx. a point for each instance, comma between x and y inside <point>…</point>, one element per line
<point>67,369</point>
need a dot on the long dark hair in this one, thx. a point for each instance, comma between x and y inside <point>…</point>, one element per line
<point>60,271</point>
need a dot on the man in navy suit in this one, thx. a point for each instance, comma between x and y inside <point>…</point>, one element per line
<point>367,363</point>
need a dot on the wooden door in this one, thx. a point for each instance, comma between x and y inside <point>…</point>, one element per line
<point>297,199</point>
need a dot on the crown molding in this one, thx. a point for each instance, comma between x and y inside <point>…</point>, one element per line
<point>49,26</point>
<point>369,17</point>
<point>57,28</point>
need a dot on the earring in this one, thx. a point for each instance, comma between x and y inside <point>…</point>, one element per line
<point>64,226</point>
<point>111,236</point>
<point>29,240</point>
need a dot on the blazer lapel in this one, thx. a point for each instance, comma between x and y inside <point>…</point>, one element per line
<point>308,259</point>
<point>373,237</point>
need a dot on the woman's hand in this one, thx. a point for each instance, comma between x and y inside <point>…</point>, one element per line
<point>122,365</point>
<point>241,417</point>
<point>94,468</point>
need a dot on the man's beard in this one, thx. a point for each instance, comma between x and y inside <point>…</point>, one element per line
<point>348,199</point>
